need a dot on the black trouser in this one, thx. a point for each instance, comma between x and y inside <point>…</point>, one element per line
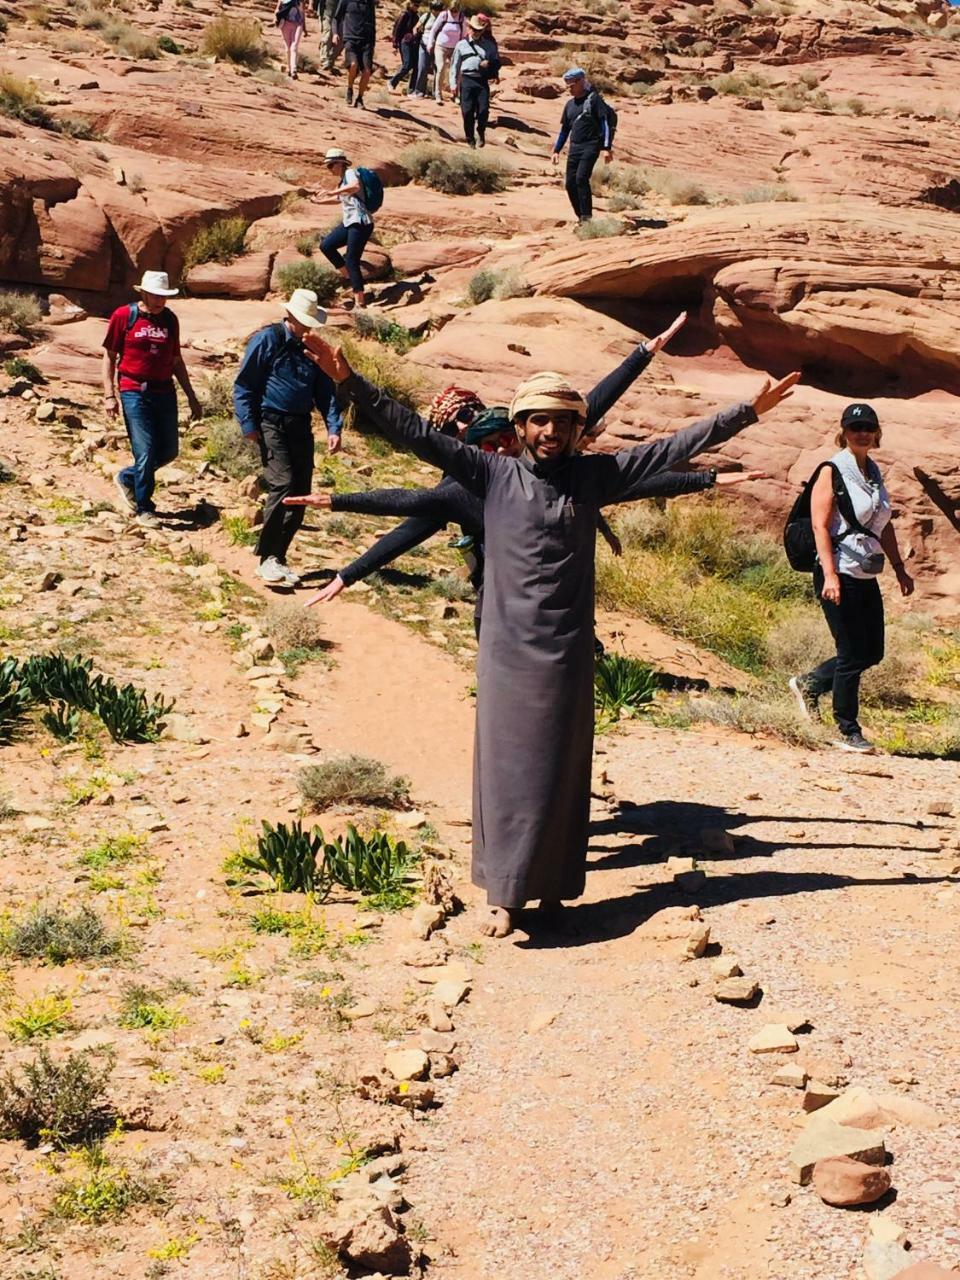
<point>409,55</point>
<point>856,624</point>
<point>474,106</point>
<point>286,451</point>
<point>580,162</point>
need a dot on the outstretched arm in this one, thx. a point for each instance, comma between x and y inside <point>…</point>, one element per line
<point>395,502</point>
<point>609,390</point>
<point>622,474</point>
<point>390,547</point>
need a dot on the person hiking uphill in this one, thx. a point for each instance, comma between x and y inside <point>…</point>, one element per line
<point>535,670</point>
<point>356,228</point>
<point>141,358</point>
<point>476,62</point>
<point>274,395</point>
<point>355,31</point>
<point>291,17</point>
<point>406,42</point>
<point>589,124</point>
<point>849,561</point>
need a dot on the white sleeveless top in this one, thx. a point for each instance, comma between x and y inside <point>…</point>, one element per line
<point>871,506</point>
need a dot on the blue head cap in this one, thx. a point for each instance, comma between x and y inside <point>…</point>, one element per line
<point>575,73</point>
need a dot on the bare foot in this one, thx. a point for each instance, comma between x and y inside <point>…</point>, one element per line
<point>497,924</point>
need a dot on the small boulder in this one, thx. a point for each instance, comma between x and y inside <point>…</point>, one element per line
<point>698,939</point>
<point>841,1181</point>
<point>406,1064</point>
<point>822,1138</point>
<point>884,1261</point>
<point>791,1074</point>
<point>925,1271</point>
<point>716,840</point>
<point>723,967</point>
<point>370,1237</point>
<point>818,1095</point>
<point>425,919</point>
<point>773,1038</point>
<point>888,1230</point>
<point>736,991</point>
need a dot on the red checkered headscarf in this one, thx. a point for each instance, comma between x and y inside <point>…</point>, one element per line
<point>453,410</point>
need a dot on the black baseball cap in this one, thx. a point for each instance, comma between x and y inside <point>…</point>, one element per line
<point>859,415</point>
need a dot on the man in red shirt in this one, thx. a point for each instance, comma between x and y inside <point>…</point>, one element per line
<point>142,346</point>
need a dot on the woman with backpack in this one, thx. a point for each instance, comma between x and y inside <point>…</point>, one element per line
<point>476,61</point>
<point>141,358</point>
<point>418,83</point>
<point>449,28</point>
<point>357,227</point>
<point>851,549</point>
<point>291,17</point>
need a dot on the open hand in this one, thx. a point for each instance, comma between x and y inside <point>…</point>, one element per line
<point>738,477</point>
<point>770,395</point>
<point>330,359</point>
<point>660,341</point>
<point>324,500</point>
<point>329,592</point>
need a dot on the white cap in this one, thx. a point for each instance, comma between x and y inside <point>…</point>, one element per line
<point>157,282</point>
<point>305,307</point>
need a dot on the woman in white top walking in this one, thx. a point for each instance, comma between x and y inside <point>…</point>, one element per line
<point>357,225</point>
<point>449,28</point>
<point>291,17</point>
<point>849,561</point>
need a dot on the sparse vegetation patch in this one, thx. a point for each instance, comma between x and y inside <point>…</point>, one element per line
<point>60,1101</point>
<point>455,172</point>
<point>352,780</point>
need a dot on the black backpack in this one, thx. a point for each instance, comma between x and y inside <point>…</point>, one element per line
<point>798,540</point>
<point>597,106</point>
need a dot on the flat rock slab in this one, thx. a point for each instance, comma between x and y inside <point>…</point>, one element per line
<point>822,1138</point>
<point>736,991</point>
<point>773,1038</point>
<point>406,1064</point>
<point>884,1261</point>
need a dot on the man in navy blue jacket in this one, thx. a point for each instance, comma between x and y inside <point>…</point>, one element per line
<point>587,122</point>
<point>274,395</point>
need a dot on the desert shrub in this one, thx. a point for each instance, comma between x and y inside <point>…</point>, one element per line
<point>19,312</point>
<point>100,1190</point>
<point>142,1008</point>
<point>453,586</point>
<point>352,780</point>
<point>370,324</point>
<point>238,530</point>
<point>130,40</point>
<point>680,190</point>
<point>748,84</point>
<point>621,202</point>
<point>629,179</point>
<point>237,40</point>
<point>59,1102</point>
<point>56,935</point>
<point>18,367</point>
<point>79,127</point>
<point>622,685</point>
<point>765,194</point>
<point>167,44</point>
<point>292,627</point>
<point>216,396</point>
<point>222,241</point>
<point>227,449</point>
<point>456,172</point>
<point>306,245</point>
<point>38,15</point>
<point>893,682</point>
<point>752,714</point>
<point>112,850</point>
<point>307,274</point>
<point>599,228</point>
<point>487,283</point>
<point>39,1018</point>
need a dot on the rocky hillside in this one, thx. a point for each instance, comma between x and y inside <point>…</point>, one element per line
<point>786,170</point>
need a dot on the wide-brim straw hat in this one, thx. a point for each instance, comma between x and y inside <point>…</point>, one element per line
<point>304,305</point>
<point>479,22</point>
<point>335,156</point>
<point>156,282</point>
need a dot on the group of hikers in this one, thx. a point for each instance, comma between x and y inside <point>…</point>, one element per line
<point>442,48</point>
<point>528,499</point>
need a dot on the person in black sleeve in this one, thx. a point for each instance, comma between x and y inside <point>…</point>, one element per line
<point>476,61</point>
<point>355,23</point>
<point>588,123</point>
<point>406,41</point>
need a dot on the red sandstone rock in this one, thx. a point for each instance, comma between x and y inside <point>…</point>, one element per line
<point>844,1182</point>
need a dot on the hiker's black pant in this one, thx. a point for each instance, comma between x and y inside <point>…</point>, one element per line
<point>474,106</point>
<point>354,238</point>
<point>856,624</point>
<point>409,55</point>
<point>580,163</point>
<point>286,451</point>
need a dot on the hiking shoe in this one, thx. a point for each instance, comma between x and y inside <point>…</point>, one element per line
<point>292,577</point>
<point>360,103</point>
<point>126,492</point>
<point>148,520</point>
<point>349,97</point>
<point>808,705</point>
<point>273,572</point>
<point>856,742</point>
<point>481,141</point>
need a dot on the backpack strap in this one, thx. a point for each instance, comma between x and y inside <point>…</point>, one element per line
<point>844,501</point>
<point>133,311</point>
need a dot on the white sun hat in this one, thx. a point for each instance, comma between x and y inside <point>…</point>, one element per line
<point>305,307</point>
<point>157,282</point>
<point>334,155</point>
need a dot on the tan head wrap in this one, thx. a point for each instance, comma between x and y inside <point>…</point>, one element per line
<point>547,391</point>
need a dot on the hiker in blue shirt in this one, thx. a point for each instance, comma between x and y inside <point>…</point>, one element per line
<point>274,395</point>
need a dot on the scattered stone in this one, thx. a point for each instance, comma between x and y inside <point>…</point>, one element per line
<point>261,649</point>
<point>45,412</point>
<point>861,1109</point>
<point>773,1038</point>
<point>442,1065</point>
<point>939,808</point>
<point>884,1261</point>
<point>888,1230</point>
<point>365,1008</point>
<point>182,729</point>
<point>791,1074</point>
<point>818,1095</point>
<point>843,1182</point>
<point>71,587</point>
<point>371,1240</point>
<point>449,993</point>
<point>822,1138</point>
<point>406,1064</point>
<point>832,1071</point>
<point>436,1042</point>
<point>249,487</point>
<point>670,924</point>
<point>698,939</point>
<point>437,888</point>
<point>438,1019</point>
<point>425,919</point>
<point>49,580</point>
<point>736,991</point>
<point>723,967</point>
<point>792,1019</point>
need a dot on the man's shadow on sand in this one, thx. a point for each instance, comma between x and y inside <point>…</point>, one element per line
<point>669,826</point>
